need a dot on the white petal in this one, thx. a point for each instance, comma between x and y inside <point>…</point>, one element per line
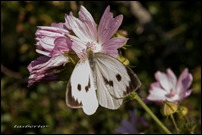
<point>43,52</point>
<point>157,94</point>
<point>163,80</point>
<point>79,28</point>
<point>171,77</point>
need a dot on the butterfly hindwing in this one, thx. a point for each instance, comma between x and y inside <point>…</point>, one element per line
<point>114,80</point>
<point>81,89</point>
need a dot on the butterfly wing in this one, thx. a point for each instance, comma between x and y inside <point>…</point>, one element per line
<point>81,88</point>
<point>114,81</point>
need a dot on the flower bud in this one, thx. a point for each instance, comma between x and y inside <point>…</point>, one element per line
<point>183,111</point>
<point>169,108</point>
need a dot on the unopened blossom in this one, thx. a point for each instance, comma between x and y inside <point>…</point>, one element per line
<point>86,33</point>
<point>169,88</point>
<point>52,44</point>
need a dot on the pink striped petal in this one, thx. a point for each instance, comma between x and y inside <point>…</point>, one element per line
<point>41,65</point>
<point>59,25</point>
<point>47,43</point>
<point>89,22</point>
<point>34,78</point>
<point>39,69</point>
<point>108,26</point>
<point>184,81</point>
<point>112,53</point>
<point>188,92</point>
<point>62,44</point>
<point>114,43</point>
<point>38,61</point>
<point>110,47</point>
<point>50,31</point>
<point>78,46</point>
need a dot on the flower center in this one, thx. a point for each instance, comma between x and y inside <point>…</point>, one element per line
<point>95,47</point>
<point>171,94</point>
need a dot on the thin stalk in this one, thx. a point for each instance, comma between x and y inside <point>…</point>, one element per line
<point>174,123</point>
<point>151,114</point>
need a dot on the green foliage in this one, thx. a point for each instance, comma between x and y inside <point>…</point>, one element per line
<point>172,39</point>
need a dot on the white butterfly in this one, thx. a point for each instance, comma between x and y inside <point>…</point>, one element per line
<point>99,79</point>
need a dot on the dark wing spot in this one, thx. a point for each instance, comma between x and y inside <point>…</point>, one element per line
<point>118,77</point>
<point>105,80</point>
<point>71,100</point>
<point>110,82</point>
<point>89,83</point>
<point>88,86</point>
<point>79,87</point>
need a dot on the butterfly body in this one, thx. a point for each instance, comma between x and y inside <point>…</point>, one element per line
<point>99,79</point>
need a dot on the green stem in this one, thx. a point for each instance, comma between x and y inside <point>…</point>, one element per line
<point>151,114</point>
<point>70,58</point>
<point>173,120</point>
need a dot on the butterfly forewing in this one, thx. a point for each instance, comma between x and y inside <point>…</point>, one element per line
<point>80,89</point>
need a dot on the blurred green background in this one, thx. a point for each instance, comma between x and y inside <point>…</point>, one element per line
<point>161,35</point>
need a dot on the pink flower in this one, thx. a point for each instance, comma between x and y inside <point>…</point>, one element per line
<point>87,34</point>
<point>53,44</point>
<point>168,88</point>
<point>75,34</point>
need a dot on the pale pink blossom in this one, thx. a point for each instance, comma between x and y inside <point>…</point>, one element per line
<point>168,88</point>
<point>52,39</point>
<point>52,44</point>
<point>86,33</point>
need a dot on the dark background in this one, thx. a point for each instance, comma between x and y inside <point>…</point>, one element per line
<point>166,35</point>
